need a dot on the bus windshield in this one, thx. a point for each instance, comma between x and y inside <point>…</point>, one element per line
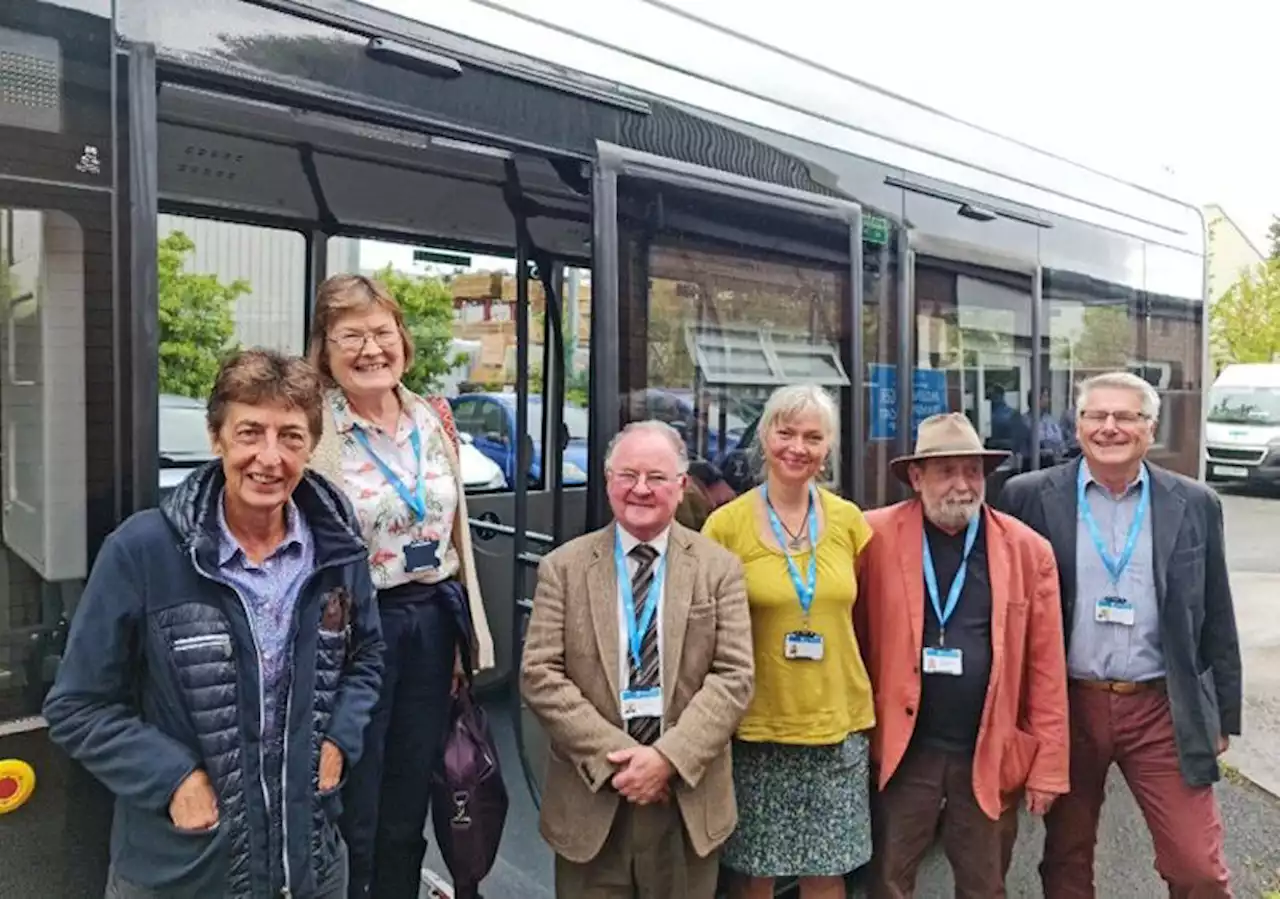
<point>1245,405</point>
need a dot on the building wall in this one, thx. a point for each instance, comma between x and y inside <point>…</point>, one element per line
<point>273,262</point>
<point>1231,253</point>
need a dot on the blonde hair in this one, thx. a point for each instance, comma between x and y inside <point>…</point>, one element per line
<point>341,295</point>
<point>785,404</point>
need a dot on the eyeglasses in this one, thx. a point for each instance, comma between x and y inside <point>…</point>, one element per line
<point>1122,417</point>
<point>655,479</point>
<point>353,342</point>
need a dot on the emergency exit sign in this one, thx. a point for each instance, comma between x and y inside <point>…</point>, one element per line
<point>875,230</point>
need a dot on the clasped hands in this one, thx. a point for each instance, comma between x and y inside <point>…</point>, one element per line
<point>644,775</point>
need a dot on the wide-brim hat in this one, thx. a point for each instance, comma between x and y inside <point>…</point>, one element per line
<point>947,436</point>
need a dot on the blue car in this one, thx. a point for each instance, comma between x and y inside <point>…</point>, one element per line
<point>490,419</point>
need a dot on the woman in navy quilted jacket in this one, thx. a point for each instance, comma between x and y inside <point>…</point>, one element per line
<point>224,660</point>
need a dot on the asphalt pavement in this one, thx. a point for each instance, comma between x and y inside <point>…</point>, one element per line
<point>1125,862</point>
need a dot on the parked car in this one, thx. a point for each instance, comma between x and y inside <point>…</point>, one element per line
<point>490,420</point>
<point>184,446</point>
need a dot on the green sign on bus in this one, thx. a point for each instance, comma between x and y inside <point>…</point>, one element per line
<point>875,230</point>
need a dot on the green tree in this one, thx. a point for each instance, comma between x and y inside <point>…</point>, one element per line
<point>1273,236</point>
<point>196,322</point>
<point>1106,340</point>
<point>1244,323</point>
<point>428,313</point>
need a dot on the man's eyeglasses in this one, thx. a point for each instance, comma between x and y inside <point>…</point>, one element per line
<point>655,479</point>
<point>1122,417</point>
<point>353,342</point>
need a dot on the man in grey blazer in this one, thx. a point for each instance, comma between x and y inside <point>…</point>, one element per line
<point>638,663</point>
<point>1152,653</point>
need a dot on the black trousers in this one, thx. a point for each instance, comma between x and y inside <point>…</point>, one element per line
<point>387,795</point>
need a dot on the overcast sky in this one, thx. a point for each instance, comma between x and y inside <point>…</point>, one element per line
<point>1131,87</point>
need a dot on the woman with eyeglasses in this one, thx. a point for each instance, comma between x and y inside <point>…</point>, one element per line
<point>394,455</point>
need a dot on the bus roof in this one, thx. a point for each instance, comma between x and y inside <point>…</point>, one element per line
<point>672,55</point>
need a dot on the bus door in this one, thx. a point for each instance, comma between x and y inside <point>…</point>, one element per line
<point>976,349</point>
<point>64,430</point>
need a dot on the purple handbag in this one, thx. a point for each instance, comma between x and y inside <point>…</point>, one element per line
<point>468,797</point>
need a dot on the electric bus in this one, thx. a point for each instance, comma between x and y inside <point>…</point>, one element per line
<point>644,215</point>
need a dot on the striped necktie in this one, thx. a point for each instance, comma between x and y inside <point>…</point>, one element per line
<point>647,674</point>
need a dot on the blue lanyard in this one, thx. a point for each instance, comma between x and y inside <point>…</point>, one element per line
<point>636,629</point>
<point>957,585</point>
<point>1115,567</point>
<point>417,504</point>
<point>804,591</point>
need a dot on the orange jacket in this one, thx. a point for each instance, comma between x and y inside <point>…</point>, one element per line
<point>1023,739</point>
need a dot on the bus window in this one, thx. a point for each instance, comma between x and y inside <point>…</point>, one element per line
<point>460,308</point>
<point>42,419</point>
<point>723,331</point>
<point>974,354</point>
<point>221,285</point>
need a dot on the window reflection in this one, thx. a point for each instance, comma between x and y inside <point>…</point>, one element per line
<point>720,332</point>
<point>974,355</point>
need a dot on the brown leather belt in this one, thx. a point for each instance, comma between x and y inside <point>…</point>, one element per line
<point>1121,686</point>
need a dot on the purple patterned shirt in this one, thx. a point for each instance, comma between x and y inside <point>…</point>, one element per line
<point>270,592</point>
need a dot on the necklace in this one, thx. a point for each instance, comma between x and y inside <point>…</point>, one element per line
<point>797,537</point>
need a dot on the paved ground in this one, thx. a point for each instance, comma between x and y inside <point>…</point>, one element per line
<point>1124,863</point>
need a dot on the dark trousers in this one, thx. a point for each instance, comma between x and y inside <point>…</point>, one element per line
<point>1136,732</point>
<point>387,794</point>
<point>332,883</point>
<point>929,786</point>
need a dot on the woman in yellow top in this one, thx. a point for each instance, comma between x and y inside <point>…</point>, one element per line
<point>800,766</point>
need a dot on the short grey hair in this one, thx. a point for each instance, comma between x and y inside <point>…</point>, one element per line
<point>786,403</point>
<point>654,426</point>
<point>1122,380</point>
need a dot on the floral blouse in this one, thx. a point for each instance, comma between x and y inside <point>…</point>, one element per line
<point>386,521</point>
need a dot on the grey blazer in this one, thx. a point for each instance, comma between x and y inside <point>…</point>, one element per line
<point>1197,618</point>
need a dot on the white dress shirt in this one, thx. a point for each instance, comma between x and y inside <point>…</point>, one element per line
<point>629,543</point>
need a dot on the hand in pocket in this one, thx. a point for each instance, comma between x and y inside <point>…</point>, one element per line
<point>194,805</point>
<point>330,766</point>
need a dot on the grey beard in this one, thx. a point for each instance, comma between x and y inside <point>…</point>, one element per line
<point>953,516</point>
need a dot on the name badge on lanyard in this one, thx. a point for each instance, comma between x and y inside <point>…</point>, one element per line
<point>1114,608</point>
<point>646,701</point>
<point>419,555</point>
<point>801,644</point>
<point>940,659</point>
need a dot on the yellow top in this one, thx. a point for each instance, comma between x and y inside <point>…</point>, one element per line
<point>801,701</point>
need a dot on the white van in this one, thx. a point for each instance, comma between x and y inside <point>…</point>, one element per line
<point>1242,437</point>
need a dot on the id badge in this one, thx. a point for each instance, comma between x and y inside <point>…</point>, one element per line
<point>421,555</point>
<point>646,703</point>
<point>940,660</point>
<point>1115,610</point>
<point>803,645</point>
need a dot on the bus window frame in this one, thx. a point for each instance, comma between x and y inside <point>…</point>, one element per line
<point>614,161</point>
<point>923,244</point>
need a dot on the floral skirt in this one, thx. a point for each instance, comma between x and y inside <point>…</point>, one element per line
<point>803,811</point>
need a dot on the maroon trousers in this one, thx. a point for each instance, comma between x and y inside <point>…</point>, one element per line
<point>1135,731</point>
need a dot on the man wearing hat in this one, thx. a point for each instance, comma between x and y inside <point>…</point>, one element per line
<point>960,619</point>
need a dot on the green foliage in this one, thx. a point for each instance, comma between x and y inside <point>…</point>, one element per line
<point>196,320</point>
<point>1273,237</point>
<point>1107,339</point>
<point>428,312</point>
<point>1244,323</point>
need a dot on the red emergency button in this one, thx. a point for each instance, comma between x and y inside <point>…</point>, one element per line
<point>17,783</point>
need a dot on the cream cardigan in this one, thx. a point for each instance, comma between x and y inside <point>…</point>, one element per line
<point>327,460</point>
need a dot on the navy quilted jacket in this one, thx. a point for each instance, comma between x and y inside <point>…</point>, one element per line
<point>160,677</point>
